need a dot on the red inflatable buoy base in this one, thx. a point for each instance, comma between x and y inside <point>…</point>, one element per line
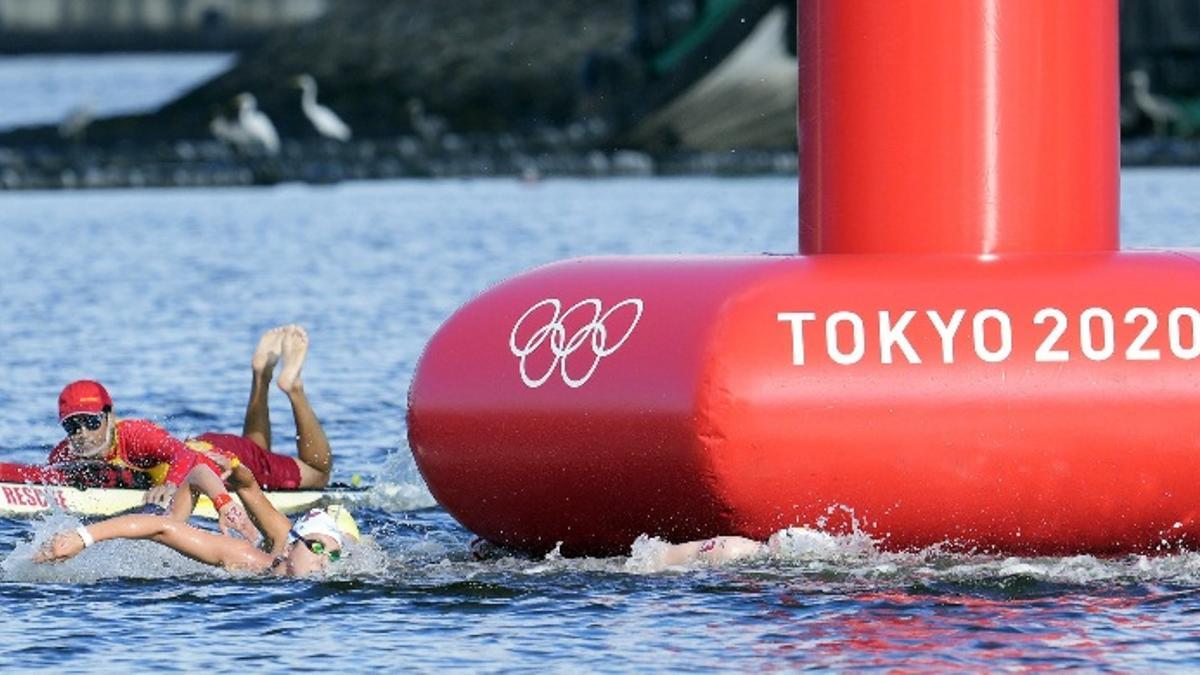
<point>1033,404</point>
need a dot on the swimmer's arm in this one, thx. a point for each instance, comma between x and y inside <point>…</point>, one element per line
<point>203,478</point>
<point>727,549</point>
<point>714,551</point>
<point>206,547</point>
<point>674,555</point>
<point>230,516</point>
<point>273,525</point>
<point>183,503</point>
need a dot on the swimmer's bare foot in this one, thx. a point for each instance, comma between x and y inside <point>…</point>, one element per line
<point>266,354</point>
<point>295,348</point>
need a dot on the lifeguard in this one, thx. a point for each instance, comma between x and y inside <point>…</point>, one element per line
<point>95,433</point>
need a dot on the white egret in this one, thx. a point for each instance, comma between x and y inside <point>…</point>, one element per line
<point>1161,111</point>
<point>325,121</point>
<point>229,132</point>
<point>429,127</point>
<point>256,125</point>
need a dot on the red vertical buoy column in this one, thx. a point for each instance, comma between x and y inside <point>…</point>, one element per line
<point>989,125</point>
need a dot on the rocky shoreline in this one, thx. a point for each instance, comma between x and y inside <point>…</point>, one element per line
<point>212,164</point>
<point>431,88</point>
<point>391,67</point>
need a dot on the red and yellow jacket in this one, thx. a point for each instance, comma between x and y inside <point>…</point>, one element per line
<point>142,445</point>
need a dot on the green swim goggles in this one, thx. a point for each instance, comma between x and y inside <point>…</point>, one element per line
<point>317,546</point>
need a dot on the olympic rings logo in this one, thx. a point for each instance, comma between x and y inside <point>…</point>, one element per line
<point>553,333</point>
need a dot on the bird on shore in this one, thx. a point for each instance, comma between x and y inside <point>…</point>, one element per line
<point>256,125</point>
<point>325,121</point>
<point>1161,112</point>
<point>75,124</point>
<point>228,131</point>
<point>429,127</point>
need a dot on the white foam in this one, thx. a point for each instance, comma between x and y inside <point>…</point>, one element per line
<point>398,486</point>
<point>857,558</point>
<point>103,560</point>
<point>361,558</point>
<point>648,554</point>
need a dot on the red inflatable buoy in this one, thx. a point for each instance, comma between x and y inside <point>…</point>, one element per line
<point>963,356</point>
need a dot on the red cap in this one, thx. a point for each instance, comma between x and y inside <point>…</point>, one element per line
<point>83,396</point>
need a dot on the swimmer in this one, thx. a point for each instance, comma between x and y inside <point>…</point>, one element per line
<point>715,551</point>
<point>95,434</point>
<point>309,546</point>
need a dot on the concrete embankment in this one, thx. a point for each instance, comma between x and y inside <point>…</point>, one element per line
<point>41,26</point>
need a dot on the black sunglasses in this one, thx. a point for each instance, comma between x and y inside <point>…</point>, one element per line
<point>317,546</point>
<point>76,422</point>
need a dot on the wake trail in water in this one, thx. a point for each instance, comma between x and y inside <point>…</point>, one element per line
<point>431,549</point>
<point>390,497</point>
<point>856,559</point>
<point>398,486</point>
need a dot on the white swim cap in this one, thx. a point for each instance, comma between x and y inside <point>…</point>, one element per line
<point>317,521</point>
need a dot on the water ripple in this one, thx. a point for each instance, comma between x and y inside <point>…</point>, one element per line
<point>163,294</point>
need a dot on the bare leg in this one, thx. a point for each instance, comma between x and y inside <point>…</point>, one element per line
<point>315,455</point>
<point>257,426</point>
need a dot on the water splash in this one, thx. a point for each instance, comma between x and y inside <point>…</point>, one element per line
<point>364,558</point>
<point>857,560</point>
<point>391,497</point>
<point>104,560</point>
<point>398,485</point>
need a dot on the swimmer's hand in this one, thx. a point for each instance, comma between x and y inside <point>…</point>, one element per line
<point>240,478</point>
<point>233,519</point>
<point>160,495</point>
<point>62,546</point>
<point>224,462</point>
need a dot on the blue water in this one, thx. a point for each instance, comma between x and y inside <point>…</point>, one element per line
<point>162,294</point>
<point>46,89</point>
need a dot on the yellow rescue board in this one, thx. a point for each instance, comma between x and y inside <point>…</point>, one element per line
<point>23,500</point>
